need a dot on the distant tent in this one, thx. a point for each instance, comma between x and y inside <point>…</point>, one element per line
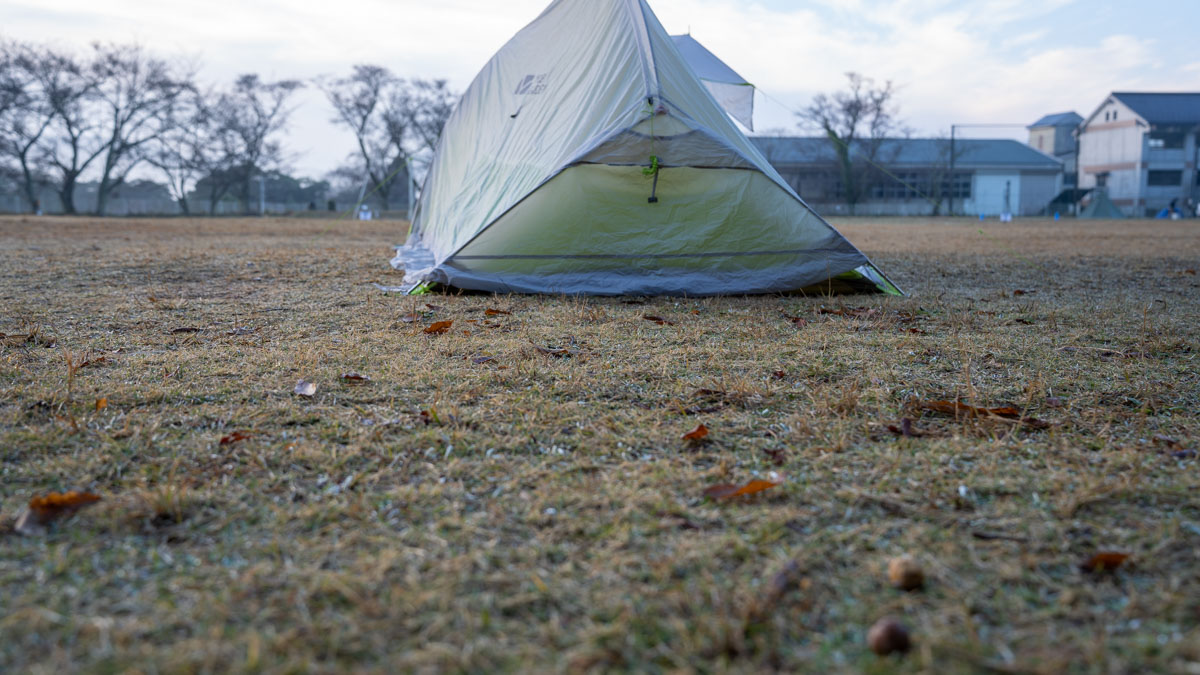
<point>588,158</point>
<point>731,90</point>
<point>1101,206</point>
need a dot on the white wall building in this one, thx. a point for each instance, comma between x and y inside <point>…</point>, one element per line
<point>1142,147</point>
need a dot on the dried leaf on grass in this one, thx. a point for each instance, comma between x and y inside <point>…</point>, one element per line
<point>480,360</point>
<point>186,329</point>
<point>1106,561</point>
<point>43,511</point>
<point>101,404</point>
<point>725,491</point>
<point>235,437</point>
<point>1177,449</point>
<point>305,389</point>
<point>905,429</point>
<point>658,320</point>
<point>960,409</point>
<point>796,321</point>
<point>560,352</point>
<point>438,327</point>
<point>697,434</point>
<point>495,312</point>
<point>853,312</point>
<point>355,378</point>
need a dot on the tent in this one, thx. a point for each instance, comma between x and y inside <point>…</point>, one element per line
<point>731,90</point>
<point>1101,206</point>
<point>588,158</point>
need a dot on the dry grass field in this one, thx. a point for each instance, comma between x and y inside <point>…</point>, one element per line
<point>515,494</point>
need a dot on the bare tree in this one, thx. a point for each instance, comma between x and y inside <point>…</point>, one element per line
<point>77,135</point>
<point>248,117</point>
<point>188,149</point>
<point>394,122</point>
<point>856,122</point>
<point>31,78</point>
<point>136,94</point>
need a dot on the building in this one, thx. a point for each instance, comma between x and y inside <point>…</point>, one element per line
<point>1055,135</point>
<point>923,176</point>
<point>1142,148</point>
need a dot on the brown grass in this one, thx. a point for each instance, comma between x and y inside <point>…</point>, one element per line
<point>544,513</point>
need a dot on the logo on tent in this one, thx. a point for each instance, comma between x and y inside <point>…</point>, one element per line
<point>532,85</point>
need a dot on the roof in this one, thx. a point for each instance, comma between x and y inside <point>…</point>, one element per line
<point>914,152</point>
<point>1163,108</point>
<point>1063,119</point>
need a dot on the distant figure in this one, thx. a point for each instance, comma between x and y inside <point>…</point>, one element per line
<point>331,205</point>
<point>37,207</point>
<point>312,206</point>
<point>1173,210</point>
<point>364,212</point>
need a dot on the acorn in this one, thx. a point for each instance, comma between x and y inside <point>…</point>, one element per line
<point>905,573</point>
<point>888,636</point>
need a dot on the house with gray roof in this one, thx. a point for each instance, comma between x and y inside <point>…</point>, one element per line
<point>921,176</point>
<point>1055,135</point>
<point>1142,148</point>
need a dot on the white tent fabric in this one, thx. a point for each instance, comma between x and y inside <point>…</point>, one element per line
<point>731,90</point>
<point>587,157</point>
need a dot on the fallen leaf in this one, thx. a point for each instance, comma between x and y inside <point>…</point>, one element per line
<point>55,506</point>
<point>905,429</point>
<point>355,378</point>
<point>696,434</point>
<point>553,351</point>
<point>305,389</point>
<point>958,408</point>
<point>186,329</point>
<point>495,312</point>
<point>438,327</point>
<point>1106,561</point>
<point>101,404</point>
<point>854,312</point>
<point>480,360</point>
<point>798,322</point>
<point>658,320</point>
<point>235,437</point>
<point>92,362</point>
<point>779,374</point>
<point>725,491</point>
<point>1019,292</point>
<point>778,456</point>
<point>432,308</point>
<point>1190,272</point>
<point>410,318</point>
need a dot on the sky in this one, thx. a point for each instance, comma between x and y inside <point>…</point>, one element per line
<point>953,61</point>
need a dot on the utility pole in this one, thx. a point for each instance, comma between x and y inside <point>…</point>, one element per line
<point>262,195</point>
<point>953,159</point>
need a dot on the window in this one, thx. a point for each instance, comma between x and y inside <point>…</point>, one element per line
<point>1165,178</point>
<point>1114,115</point>
<point>1106,115</point>
<point>1167,140</point>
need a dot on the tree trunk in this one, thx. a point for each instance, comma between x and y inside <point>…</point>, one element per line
<point>27,185</point>
<point>183,206</point>
<point>102,191</point>
<point>67,195</point>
